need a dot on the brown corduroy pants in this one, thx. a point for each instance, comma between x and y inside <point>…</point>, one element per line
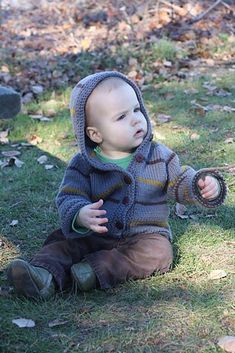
<point>113,260</point>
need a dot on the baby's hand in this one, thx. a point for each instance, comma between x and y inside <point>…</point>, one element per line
<point>89,217</point>
<point>210,188</point>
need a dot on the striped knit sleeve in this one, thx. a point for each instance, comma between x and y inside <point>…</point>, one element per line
<point>180,180</point>
<point>182,184</point>
<point>74,193</point>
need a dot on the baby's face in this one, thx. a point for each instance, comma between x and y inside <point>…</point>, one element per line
<point>116,115</point>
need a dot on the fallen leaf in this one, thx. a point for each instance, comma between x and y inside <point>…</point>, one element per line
<point>229,140</point>
<point>132,74</point>
<point>210,215</point>
<point>162,118</point>
<point>39,117</point>
<point>57,322</point>
<point>194,217</point>
<point>11,162</point>
<point>3,137</point>
<point>34,140</point>
<point>222,93</point>
<point>85,43</point>
<point>4,68</point>
<point>190,91</point>
<point>217,274</point>
<point>210,87</point>
<point>14,222</point>
<point>26,144</point>
<point>17,162</point>
<point>158,136</point>
<point>227,343</point>
<point>180,211</point>
<point>11,153</point>
<point>27,98</point>
<point>169,96</point>
<point>49,166</point>
<point>228,109</point>
<point>37,89</point>
<point>217,107</point>
<point>43,159</point>
<point>24,322</point>
<point>195,137</point>
<point>167,63</point>
<point>133,62</point>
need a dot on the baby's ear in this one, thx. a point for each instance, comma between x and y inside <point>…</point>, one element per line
<point>94,134</point>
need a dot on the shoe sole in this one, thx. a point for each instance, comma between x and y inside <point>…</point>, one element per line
<point>20,278</point>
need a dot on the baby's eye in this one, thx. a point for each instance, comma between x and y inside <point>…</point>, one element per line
<point>121,117</point>
<point>137,109</point>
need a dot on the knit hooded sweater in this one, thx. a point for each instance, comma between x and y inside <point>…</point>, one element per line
<point>135,198</point>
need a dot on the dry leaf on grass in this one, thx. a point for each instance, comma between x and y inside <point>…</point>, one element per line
<point>40,118</point>
<point>42,159</point>
<point>212,107</point>
<point>217,274</point>
<point>14,222</point>
<point>3,137</point>
<point>37,89</point>
<point>21,144</point>
<point>227,343</point>
<point>167,63</point>
<point>24,322</point>
<point>11,153</point>
<point>49,166</point>
<point>229,140</point>
<point>57,322</point>
<point>12,162</point>
<point>180,211</point>
<point>195,137</point>
<point>34,140</point>
<point>163,118</point>
<point>190,91</point>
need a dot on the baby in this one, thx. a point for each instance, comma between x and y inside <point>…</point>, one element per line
<point>112,201</point>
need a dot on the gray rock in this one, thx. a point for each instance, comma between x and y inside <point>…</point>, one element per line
<point>10,103</point>
<point>37,89</point>
<point>23,4</point>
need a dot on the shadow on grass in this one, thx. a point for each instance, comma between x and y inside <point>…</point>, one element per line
<point>28,197</point>
<point>136,315</point>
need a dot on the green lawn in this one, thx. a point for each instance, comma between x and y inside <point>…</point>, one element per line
<point>183,311</point>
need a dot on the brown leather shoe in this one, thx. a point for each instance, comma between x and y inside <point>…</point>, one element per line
<point>30,281</point>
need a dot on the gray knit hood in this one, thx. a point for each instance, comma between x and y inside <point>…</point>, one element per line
<point>79,97</point>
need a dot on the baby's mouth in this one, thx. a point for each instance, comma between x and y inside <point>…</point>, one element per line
<point>139,132</point>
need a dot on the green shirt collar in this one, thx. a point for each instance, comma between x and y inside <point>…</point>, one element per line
<point>120,162</point>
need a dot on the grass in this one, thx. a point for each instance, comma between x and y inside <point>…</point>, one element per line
<point>182,311</point>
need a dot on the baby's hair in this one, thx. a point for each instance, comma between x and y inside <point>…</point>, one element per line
<point>104,87</point>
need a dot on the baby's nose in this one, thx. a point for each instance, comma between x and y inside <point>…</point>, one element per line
<point>135,119</point>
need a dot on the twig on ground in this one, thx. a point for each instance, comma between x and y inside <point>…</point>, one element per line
<point>227,5</point>
<point>176,8</point>
<point>203,14</point>
<point>213,169</point>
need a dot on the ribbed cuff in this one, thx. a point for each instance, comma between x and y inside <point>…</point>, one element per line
<point>219,200</point>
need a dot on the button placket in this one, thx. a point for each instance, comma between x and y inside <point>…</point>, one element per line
<point>127,180</point>
<point>119,225</point>
<point>139,158</point>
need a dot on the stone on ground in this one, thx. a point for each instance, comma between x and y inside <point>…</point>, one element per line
<point>10,103</point>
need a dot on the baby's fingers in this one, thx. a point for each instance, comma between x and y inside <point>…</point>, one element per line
<point>97,205</point>
<point>99,229</point>
<point>210,192</point>
<point>97,213</point>
<point>96,227</point>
